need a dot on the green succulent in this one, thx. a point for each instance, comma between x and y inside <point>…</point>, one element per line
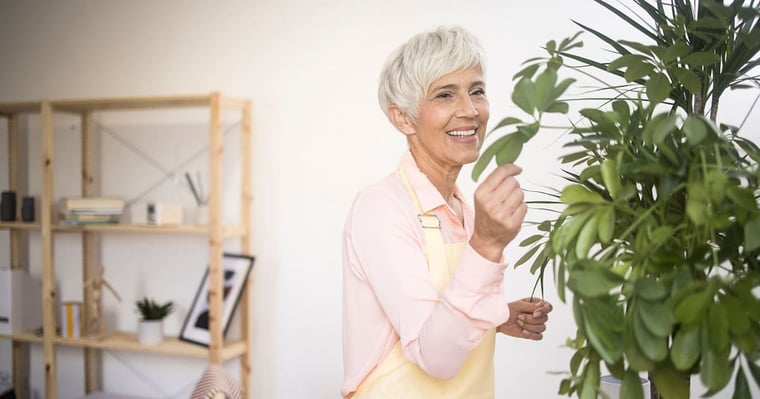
<point>149,309</point>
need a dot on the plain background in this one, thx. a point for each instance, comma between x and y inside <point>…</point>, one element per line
<point>310,68</point>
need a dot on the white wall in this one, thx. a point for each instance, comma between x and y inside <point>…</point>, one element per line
<point>310,68</point>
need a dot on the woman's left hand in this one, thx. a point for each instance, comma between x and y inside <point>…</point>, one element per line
<point>527,318</point>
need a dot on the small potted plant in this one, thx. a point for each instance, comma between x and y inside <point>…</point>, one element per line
<point>151,328</point>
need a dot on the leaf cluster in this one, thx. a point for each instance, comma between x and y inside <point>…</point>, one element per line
<point>657,231</point>
<point>149,309</point>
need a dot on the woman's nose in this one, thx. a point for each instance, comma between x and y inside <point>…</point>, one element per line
<point>467,108</point>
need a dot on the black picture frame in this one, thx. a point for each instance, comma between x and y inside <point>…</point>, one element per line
<point>236,269</point>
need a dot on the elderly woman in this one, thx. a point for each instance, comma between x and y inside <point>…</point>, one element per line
<point>423,270</point>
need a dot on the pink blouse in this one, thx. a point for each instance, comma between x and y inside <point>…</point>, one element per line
<point>388,293</point>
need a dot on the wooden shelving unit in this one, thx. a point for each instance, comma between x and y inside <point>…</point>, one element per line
<point>17,181</point>
<point>217,233</point>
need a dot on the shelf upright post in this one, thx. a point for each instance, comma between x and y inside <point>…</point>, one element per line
<point>90,258</point>
<point>216,140</point>
<point>46,230</point>
<point>245,240</point>
<point>14,183</point>
<point>18,258</point>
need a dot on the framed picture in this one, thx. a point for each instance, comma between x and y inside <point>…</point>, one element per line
<point>236,269</point>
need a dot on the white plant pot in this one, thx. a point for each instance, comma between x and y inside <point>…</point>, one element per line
<point>151,332</point>
<point>611,386</point>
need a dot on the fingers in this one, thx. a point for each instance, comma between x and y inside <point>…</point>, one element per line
<point>501,186</point>
<point>533,317</point>
<point>537,306</point>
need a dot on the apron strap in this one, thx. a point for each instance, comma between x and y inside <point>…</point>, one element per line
<point>435,248</point>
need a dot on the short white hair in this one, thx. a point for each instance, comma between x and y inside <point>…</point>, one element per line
<point>414,66</point>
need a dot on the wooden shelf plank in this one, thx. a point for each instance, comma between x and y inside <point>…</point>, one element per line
<point>106,395</point>
<point>24,107</point>
<point>19,226</point>
<point>125,341</point>
<point>228,231</point>
<point>136,103</point>
<point>23,337</point>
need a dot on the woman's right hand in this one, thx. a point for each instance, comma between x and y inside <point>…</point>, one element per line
<point>499,212</point>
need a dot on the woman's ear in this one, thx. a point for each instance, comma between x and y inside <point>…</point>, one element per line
<point>401,120</point>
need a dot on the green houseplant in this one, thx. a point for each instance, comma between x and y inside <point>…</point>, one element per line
<point>656,233</point>
<point>152,313</point>
<point>149,309</point>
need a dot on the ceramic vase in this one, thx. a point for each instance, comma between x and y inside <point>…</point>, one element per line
<point>151,332</point>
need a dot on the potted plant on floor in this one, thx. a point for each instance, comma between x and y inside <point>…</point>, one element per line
<point>656,233</point>
<point>151,327</point>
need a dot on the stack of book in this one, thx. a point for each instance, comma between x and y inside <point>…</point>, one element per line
<point>90,210</point>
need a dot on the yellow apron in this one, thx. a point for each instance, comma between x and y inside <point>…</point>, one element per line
<point>397,377</point>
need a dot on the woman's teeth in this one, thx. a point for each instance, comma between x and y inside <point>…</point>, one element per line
<point>462,133</point>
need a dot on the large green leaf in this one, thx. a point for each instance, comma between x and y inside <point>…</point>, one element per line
<point>658,87</point>
<point>738,320</point>
<point>524,94</point>
<point>530,240</point>
<point>688,79</point>
<point>701,58</point>
<point>693,307</point>
<point>527,72</point>
<point>558,107</point>
<point>506,122</point>
<point>626,61</point>
<point>675,51</point>
<point>656,317</point>
<point>527,255</point>
<point>670,382</point>
<point>662,129</point>
<point>608,344</point>
<point>590,381</point>
<point>742,197</point>
<point>577,193</point>
<point>717,330</point>
<point>686,348</point>
<point>504,148</point>
<point>593,283</point>
<point>741,388</point>
<point>637,71</point>
<point>559,90</point>
<point>568,232</point>
<point>587,236</point>
<point>653,347</point>
<point>510,150</point>
<point>754,369</point>
<point>648,133</point>
<point>606,224</point>
<point>544,85</point>
<point>697,203</point>
<point>631,387</point>
<point>695,130</point>
<point>715,371</point>
<point>611,177</point>
<point>636,359</point>
<point>650,289</point>
<point>752,234</point>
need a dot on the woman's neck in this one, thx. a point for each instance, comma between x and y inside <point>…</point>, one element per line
<point>444,178</point>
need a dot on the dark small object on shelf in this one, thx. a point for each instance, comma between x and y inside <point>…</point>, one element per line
<point>27,209</point>
<point>8,206</point>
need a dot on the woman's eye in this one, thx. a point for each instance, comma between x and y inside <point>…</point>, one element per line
<point>478,92</point>
<point>443,95</point>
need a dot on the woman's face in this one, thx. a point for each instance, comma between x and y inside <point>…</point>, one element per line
<point>452,119</point>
